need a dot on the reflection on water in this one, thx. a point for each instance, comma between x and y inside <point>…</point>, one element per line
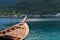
<point>44,19</point>
<point>39,30</point>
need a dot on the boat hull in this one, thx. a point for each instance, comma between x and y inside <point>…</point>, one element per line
<point>20,30</point>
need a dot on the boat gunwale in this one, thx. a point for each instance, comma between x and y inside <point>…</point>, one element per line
<point>9,28</point>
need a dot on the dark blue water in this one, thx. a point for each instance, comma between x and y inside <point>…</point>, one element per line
<point>39,29</point>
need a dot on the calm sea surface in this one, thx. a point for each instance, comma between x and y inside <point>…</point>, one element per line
<point>40,29</point>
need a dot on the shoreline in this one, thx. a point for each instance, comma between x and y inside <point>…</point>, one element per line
<point>29,16</point>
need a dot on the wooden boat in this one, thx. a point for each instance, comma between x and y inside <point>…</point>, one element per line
<point>20,30</point>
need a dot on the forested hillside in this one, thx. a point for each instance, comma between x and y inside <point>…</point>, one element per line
<point>32,7</point>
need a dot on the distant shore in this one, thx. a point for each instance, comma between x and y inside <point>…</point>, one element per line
<point>16,16</point>
<point>30,16</point>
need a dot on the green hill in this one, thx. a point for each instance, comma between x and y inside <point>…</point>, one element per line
<point>33,7</point>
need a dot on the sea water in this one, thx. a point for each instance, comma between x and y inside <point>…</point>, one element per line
<point>40,29</point>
